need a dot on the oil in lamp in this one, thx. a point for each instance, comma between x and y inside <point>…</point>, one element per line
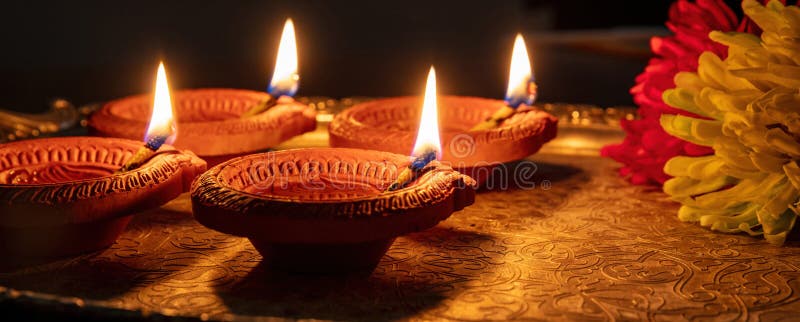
<point>218,124</point>
<point>64,196</point>
<point>328,209</point>
<point>516,129</point>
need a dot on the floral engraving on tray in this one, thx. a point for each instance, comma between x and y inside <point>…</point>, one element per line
<point>589,247</point>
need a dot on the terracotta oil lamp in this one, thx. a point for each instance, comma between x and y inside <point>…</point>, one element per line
<point>64,196</point>
<point>328,209</point>
<point>387,124</point>
<point>218,124</point>
<point>324,209</point>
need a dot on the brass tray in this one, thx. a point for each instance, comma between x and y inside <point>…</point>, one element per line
<point>567,240</point>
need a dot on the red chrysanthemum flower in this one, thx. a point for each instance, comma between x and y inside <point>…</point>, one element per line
<point>647,147</point>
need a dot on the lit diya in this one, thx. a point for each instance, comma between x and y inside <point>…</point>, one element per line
<point>64,196</point>
<point>478,134</point>
<point>329,209</point>
<point>325,209</point>
<point>218,124</point>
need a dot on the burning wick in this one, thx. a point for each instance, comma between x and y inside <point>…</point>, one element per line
<point>410,173</point>
<point>161,128</point>
<point>284,78</point>
<point>428,146</point>
<point>521,87</point>
<point>144,153</point>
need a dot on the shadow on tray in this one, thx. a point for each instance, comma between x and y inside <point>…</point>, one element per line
<point>417,274</point>
<point>528,175</point>
<point>106,273</point>
<point>99,281</point>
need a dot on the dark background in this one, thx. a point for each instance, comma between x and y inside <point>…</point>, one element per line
<point>88,51</point>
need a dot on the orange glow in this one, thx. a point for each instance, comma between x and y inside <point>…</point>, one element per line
<point>520,76</point>
<point>285,78</point>
<point>162,122</point>
<point>428,133</point>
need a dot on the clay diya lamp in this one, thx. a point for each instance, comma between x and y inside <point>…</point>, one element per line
<point>388,125</point>
<point>70,195</point>
<point>324,209</point>
<point>210,122</point>
<point>516,128</point>
<point>61,196</point>
<point>218,124</point>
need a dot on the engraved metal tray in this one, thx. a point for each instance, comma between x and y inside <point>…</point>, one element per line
<point>569,240</point>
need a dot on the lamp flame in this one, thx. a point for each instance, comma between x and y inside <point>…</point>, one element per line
<point>285,78</point>
<point>521,83</point>
<point>161,128</point>
<point>428,133</point>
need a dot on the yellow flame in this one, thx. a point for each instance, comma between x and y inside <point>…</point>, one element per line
<point>521,72</point>
<point>284,78</point>
<point>162,122</point>
<point>428,133</point>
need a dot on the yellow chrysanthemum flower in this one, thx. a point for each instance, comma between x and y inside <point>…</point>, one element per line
<point>750,104</point>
